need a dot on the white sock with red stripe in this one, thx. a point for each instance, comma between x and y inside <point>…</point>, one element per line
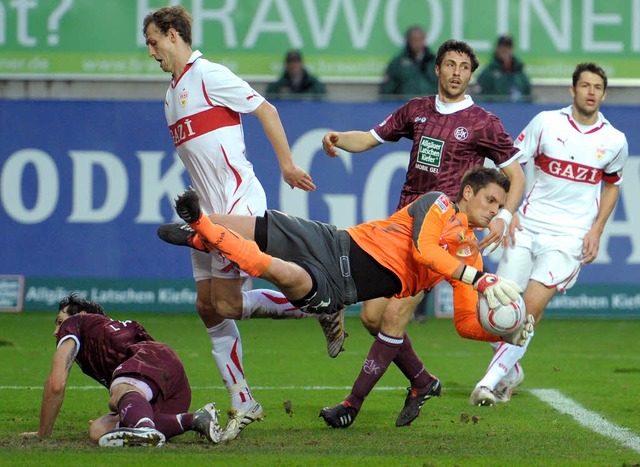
<point>227,353</point>
<point>265,303</point>
<point>504,359</point>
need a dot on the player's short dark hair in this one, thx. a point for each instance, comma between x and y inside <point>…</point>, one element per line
<point>591,67</point>
<point>75,305</point>
<point>480,177</point>
<point>176,17</point>
<point>462,47</point>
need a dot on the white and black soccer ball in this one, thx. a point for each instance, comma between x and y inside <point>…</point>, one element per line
<point>503,319</point>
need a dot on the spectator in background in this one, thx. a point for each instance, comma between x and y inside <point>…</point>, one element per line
<point>413,72</point>
<point>504,78</point>
<point>296,81</point>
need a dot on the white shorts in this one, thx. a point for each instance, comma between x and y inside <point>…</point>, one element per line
<point>552,260</point>
<point>213,264</point>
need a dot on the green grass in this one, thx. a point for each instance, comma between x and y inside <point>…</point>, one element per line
<point>595,363</point>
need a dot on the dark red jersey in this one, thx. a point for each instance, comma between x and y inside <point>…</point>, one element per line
<point>103,343</point>
<point>445,146</point>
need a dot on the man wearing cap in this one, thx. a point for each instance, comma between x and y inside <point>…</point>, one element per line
<point>296,81</point>
<point>504,78</point>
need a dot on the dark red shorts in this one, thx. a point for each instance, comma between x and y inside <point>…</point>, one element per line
<point>157,363</point>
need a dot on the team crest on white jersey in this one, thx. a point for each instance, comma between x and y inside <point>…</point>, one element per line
<point>461,133</point>
<point>601,152</point>
<point>184,95</point>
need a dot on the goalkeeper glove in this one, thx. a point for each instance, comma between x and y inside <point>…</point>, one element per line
<point>496,289</point>
<point>521,334</point>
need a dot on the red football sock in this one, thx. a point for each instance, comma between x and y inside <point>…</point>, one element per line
<point>411,366</point>
<point>172,425</point>
<point>245,253</point>
<point>135,411</point>
<point>382,352</point>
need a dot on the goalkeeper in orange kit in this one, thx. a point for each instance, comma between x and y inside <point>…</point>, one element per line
<point>322,269</point>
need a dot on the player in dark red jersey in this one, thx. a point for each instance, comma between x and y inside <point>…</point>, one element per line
<point>150,392</point>
<point>450,134</point>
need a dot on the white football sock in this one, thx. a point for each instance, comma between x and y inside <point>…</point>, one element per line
<point>513,372</point>
<point>227,353</point>
<point>503,361</point>
<point>265,303</point>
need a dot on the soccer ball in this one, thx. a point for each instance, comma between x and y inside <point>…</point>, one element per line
<point>503,319</point>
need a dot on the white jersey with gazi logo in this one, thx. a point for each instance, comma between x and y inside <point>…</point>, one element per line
<point>203,110</point>
<point>570,162</point>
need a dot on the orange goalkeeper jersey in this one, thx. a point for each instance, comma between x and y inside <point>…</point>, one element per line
<point>423,244</point>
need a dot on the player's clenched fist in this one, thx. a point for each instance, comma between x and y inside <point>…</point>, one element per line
<point>329,143</point>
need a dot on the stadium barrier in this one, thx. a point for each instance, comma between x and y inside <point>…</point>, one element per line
<point>84,185</point>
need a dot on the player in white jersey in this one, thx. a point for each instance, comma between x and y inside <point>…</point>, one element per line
<point>203,108</point>
<point>578,159</point>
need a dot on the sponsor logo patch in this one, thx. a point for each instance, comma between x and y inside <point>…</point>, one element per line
<point>443,202</point>
<point>429,153</point>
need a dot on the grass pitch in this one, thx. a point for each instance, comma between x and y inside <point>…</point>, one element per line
<point>594,363</point>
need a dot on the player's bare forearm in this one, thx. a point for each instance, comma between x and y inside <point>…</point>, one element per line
<point>53,393</point>
<point>516,176</point>
<point>591,241</point>
<point>351,141</point>
<point>51,403</point>
<point>293,175</point>
<point>499,227</point>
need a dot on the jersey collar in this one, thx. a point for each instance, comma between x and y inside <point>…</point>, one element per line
<point>454,107</point>
<point>195,55</point>
<point>602,121</point>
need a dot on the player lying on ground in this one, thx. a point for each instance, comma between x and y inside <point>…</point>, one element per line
<point>322,269</point>
<point>150,392</point>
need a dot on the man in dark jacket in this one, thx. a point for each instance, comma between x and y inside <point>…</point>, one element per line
<point>412,73</point>
<point>296,81</point>
<point>504,78</point>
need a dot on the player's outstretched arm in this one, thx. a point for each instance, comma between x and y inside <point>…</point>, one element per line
<point>53,393</point>
<point>295,176</point>
<point>351,141</point>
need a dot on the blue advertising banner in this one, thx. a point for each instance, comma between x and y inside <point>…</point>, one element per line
<point>84,185</point>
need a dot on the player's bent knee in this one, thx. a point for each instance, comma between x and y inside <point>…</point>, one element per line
<point>371,325</point>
